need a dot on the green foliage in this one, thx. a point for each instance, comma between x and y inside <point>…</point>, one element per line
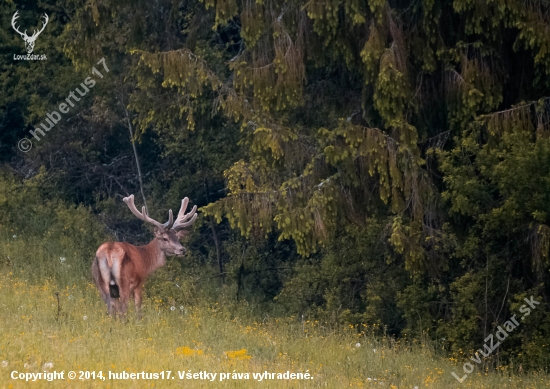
<point>57,230</point>
<point>344,284</point>
<point>502,184</point>
<point>385,163</point>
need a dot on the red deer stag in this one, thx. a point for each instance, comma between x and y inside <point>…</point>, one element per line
<point>121,268</point>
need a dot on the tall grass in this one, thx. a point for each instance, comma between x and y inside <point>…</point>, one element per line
<point>51,319</point>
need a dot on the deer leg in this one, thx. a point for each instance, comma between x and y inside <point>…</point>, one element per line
<point>112,306</point>
<point>102,286</point>
<point>123,301</point>
<point>98,280</point>
<point>104,296</point>
<point>105,282</point>
<point>138,294</point>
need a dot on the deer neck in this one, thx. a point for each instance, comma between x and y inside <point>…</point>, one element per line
<point>156,257</point>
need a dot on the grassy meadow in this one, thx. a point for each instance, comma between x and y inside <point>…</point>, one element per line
<point>38,334</point>
<point>371,180</point>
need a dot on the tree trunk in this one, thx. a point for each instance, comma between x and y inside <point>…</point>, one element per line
<point>215,235</point>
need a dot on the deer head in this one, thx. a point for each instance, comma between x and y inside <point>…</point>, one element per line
<point>167,235</point>
<point>29,40</point>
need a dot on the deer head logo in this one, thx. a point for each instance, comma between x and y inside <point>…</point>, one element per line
<point>29,40</point>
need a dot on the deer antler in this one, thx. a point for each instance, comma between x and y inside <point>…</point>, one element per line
<point>36,33</point>
<point>185,219</point>
<point>143,214</point>
<point>15,16</point>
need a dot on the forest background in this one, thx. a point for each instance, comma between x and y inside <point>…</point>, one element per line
<point>378,163</point>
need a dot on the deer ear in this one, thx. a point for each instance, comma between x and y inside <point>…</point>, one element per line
<point>157,231</point>
<point>182,233</point>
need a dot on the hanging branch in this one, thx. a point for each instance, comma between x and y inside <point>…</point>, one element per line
<point>129,125</point>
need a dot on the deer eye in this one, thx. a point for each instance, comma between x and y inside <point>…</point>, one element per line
<point>165,239</point>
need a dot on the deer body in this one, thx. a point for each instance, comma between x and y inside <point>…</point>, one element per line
<point>117,276</point>
<point>120,269</point>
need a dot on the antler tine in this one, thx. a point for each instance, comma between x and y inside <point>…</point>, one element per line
<point>141,215</point>
<point>170,221</point>
<point>130,203</point>
<point>182,220</point>
<point>15,16</point>
<point>46,19</point>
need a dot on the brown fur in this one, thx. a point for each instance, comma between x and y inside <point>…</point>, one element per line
<point>125,267</point>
